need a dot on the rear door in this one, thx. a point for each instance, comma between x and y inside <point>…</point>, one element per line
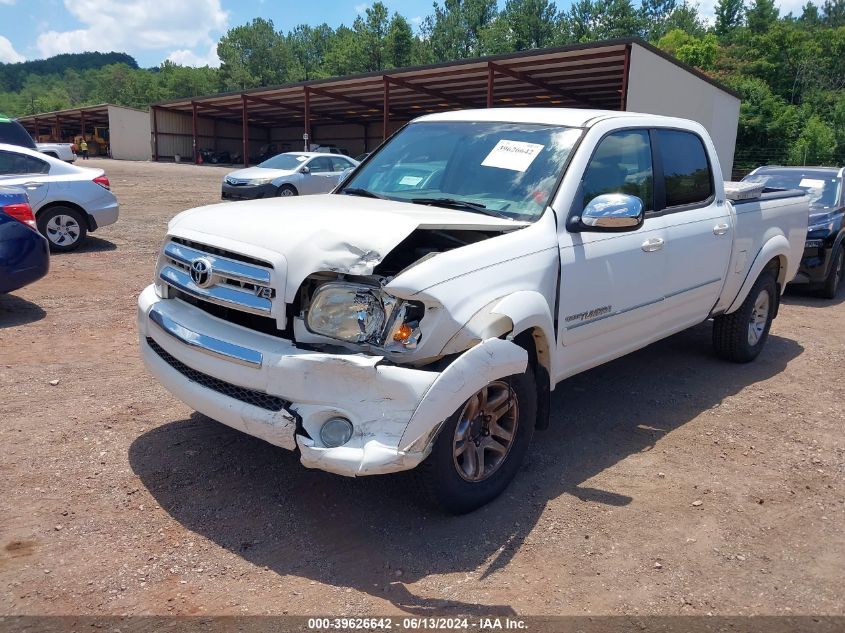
<point>612,284</point>
<point>699,227</point>
<point>322,178</point>
<point>28,172</point>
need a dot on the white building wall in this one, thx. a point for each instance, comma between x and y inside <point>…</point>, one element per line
<point>129,134</point>
<point>657,86</point>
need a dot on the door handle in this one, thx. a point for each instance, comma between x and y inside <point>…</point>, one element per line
<point>654,244</point>
<point>720,229</point>
<point>33,185</point>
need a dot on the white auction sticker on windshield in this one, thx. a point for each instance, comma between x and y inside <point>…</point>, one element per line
<point>811,183</point>
<point>513,155</point>
<point>301,158</point>
<point>413,181</point>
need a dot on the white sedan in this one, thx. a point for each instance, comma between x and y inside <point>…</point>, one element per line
<point>68,201</point>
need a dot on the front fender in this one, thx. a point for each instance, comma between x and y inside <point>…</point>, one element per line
<point>487,361</point>
<point>777,246</point>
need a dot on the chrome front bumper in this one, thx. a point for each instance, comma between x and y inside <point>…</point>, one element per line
<point>395,411</point>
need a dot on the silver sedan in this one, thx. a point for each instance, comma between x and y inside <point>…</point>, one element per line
<point>289,174</point>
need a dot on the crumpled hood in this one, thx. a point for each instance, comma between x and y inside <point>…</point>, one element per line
<point>308,234</point>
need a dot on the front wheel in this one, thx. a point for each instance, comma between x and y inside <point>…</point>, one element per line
<point>286,190</point>
<point>739,336</point>
<point>481,446</point>
<point>834,277</point>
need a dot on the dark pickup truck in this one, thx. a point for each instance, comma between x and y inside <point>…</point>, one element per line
<point>823,264</point>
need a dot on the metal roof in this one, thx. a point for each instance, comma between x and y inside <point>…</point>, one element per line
<point>590,75</point>
<point>71,119</point>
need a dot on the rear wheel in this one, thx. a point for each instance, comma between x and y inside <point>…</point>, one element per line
<point>834,277</point>
<point>63,227</point>
<point>740,336</point>
<point>286,190</point>
<point>481,446</point>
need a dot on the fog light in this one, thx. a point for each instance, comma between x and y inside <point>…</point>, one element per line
<point>335,432</point>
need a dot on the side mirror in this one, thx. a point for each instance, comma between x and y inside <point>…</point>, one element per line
<point>346,172</point>
<point>611,212</point>
<point>305,169</point>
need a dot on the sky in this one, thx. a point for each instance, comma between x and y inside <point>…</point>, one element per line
<point>184,31</point>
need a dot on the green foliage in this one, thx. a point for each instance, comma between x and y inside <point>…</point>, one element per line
<point>253,55</point>
<point>816,145</point>
<point>455,29</point>
<point>729,15</point>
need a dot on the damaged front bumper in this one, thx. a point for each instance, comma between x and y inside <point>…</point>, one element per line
<point>267,387</point>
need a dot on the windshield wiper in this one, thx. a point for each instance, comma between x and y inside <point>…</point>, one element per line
<point>454,203</point>
<point>366,193</point>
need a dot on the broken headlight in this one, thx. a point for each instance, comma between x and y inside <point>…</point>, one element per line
<point>358,313</point>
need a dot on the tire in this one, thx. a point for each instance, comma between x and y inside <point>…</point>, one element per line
<point>64,228</point>
<point>447,479</point>
<point>834,277</point>
<point>740,336</point>
<point>286,190</point>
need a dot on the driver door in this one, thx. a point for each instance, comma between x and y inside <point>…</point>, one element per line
<point>612,284</point>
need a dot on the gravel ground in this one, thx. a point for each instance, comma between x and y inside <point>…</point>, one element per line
<point>669,482</point>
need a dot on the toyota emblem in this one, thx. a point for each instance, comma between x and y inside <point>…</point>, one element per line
<point>201,272</point>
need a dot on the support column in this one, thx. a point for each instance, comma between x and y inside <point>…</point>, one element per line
<point>623,102</point>
<point>194,131</point>
<point>306,135</point>
<point>82,122</point>
<point>58,130</point>
<point>490,79</point>
<point>155,133</point>
<point>37,131</point>
<point>245,130</point>
<point>386,115</point>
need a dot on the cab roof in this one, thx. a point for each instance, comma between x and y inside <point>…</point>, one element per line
<point>569,117</point>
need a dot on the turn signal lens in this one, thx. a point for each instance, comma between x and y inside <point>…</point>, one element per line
<point>403,333</point>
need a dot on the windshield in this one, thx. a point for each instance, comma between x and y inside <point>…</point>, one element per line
<point>820,185</point>
<point>503,169</point>
<point>284,161</point>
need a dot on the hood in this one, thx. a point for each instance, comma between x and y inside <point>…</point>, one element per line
<point>331,233</point>
<point>259,172</point>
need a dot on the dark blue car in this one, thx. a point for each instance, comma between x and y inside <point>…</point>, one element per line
<point>24,252</point>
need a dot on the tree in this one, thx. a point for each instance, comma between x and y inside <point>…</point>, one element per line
<point>834,13</point>
<point>816,145</point>
<point>579,20</point>
<point>700,52</point>
<point>399,42</point>
<point>253,55</point>
<point>810,16</point>
<point>454,31</point>
<point>308,46</point>
<point>371,33</point>
<point>522,25</point>
<point>686,18</point>
<point>655,14</point>
<point>729,14</point>
<point>343,55</point>
<point>761,15</point>
<point>616,18</point>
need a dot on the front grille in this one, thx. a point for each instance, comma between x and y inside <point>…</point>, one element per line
<point>249,396</point>
<point>265,325</point>
<point>221,252</point>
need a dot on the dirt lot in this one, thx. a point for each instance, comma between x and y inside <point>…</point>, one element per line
<point>668,483</point>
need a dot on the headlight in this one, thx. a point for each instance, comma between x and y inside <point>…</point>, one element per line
<point>358,313</point>
<point>260,181</point>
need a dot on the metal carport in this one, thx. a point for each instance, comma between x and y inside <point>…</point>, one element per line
<point>357,112</point>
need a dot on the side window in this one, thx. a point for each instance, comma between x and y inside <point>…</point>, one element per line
<point>11,163</point>
<point>686,169</point>
<point>320,165</point>
<point>339,164</point>
<point>621,164</point>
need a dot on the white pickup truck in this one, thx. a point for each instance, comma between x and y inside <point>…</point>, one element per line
<point>419,316</point>
<point>62,151</point>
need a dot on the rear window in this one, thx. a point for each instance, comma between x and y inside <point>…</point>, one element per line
<point>11,163</point>
<point>821,186</point>
<point>13,133</point>
<point>686,169</point>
